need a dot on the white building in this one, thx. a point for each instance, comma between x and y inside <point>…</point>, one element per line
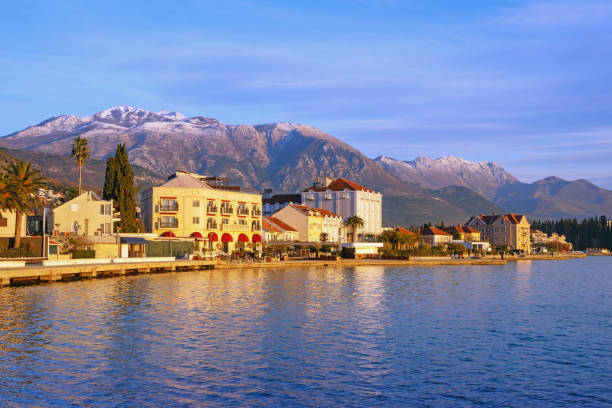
<point>345,198</point>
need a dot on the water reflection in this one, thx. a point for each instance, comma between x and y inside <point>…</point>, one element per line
<point>323,336</point>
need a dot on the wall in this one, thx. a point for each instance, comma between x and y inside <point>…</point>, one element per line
<point>9,218</point>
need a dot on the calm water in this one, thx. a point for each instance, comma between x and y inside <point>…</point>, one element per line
<point>527,334</point>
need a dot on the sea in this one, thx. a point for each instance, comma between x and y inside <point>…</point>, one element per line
<point>525,334</point>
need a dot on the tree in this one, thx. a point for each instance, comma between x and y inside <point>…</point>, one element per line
<point>119,187</point>
<point>80,153</point>
<point>6,196</point>
<point>323,237</point>
<point>355,223</point>
<point>23,181</point>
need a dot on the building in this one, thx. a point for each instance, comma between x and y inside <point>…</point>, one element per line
<point>510,230</point>
<point>7,224</point>
<point>273,203</point>
<point>435,236</point>
<point>346,198</point>
<point>481,246</point>
<point>83,215</point>
<point>464,233</point>
<point>285,231</point>
<point>269,231</point>
<point>306,220</point>
<point>206,208</point>
<point>413,239</point>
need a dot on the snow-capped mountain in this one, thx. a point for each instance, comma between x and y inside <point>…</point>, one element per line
<point>485,178</point>
<point>284,156</point>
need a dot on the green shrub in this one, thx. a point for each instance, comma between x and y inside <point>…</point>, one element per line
<point>83,254</point>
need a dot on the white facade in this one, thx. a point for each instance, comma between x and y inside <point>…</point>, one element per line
<point>346,203</point>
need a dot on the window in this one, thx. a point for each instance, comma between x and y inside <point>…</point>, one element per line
<point>196,203</point>
<point>196,220</point>
<point>169,205</point>
<point>169,222</point>
<point>105,229</point>
<point>242,221</point>
<point>3,222</point>
<point>105,209</point>
<point>225,221</point>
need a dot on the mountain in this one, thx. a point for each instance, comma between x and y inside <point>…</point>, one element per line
<point>553,197</point>
<point>283,156</point>
<point>61,169</point>
<point>452,204</point>
<point>485,178</point>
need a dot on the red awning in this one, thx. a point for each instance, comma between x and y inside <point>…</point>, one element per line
<point>226,237</point>
<point>168,234</point>
<point>196,235</point>
<point>256,238</point>
<point>213,237</point>
<point>243,238</point>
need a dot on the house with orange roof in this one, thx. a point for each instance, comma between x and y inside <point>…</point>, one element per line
<point>311,223</point>
<point>346,198</point>
<point>504,230</point>
<point>284,231</point>
<point>435,236</point>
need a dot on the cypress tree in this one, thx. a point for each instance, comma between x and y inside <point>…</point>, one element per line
<point>119,186</point>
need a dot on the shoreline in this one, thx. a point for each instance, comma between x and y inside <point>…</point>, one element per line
<point>65,273</point>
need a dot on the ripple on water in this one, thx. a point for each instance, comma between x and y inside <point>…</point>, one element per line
<point>515,335</point>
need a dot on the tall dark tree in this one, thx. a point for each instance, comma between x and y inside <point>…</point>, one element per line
<point>119,186</point>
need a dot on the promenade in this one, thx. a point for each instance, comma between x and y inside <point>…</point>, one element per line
<point>36,274</point>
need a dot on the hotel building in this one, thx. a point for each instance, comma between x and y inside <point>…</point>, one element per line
<point>204,208</point>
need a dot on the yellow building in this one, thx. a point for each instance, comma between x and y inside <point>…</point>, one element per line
<point>83,215</point>
<point>7,224</point>
<point>511,230</point>
<point>464,233</point>
<point>203,208</point>
<point>307,221</point>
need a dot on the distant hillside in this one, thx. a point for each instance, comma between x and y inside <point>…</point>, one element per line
<point>62,169</point>
<point>553,197</point>
<point>453,205</point>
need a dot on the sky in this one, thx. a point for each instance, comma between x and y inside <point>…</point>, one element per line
<point>526,84</point>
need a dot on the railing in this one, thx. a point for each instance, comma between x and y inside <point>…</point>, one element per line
<point>255,227</point>
<point>227,210</point>
<point>211,209</point>
<point>171,207</point>
<point>243,211</point>
<point>169,225</point>
<point>234,227</point>
<point>256,212</point>
<point>212,225</point>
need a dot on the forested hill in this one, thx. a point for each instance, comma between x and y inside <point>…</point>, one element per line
<point>594,232</point>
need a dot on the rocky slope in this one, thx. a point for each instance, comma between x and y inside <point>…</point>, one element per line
<point>485,178</point>
<point>283,156</point>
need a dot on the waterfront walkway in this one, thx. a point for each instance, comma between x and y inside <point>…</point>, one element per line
<point>34,274</point>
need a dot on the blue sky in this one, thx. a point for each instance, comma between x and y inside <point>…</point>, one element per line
<point>527,84</point>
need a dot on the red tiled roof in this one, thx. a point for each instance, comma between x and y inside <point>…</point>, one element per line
<point>281,224</point>
<point>470,230</point>
<point>341,184</point>
<point>305,210</point>
<point>434,231</point>
<point>268,226</point>
<point>403,230</point>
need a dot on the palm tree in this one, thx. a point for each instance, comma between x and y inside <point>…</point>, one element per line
<point>5,192</point>
<point>355,222</point>
<point>23,181</point>
<point>80,152</point>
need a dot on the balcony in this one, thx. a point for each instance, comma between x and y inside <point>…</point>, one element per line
<point>256,212</point>
<point>235,227</point>
<point>212,209</point>
<point>168,225</point>
<point>256,227</point>
<point>227,210</point>
<point>169,207</point>
<point>212,226</point>
<point>243,211</point>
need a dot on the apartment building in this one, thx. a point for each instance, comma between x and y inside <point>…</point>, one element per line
<point>511,230</point>
<point>204,208</point>
<point>310,223</point>
<point>346,198</point>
